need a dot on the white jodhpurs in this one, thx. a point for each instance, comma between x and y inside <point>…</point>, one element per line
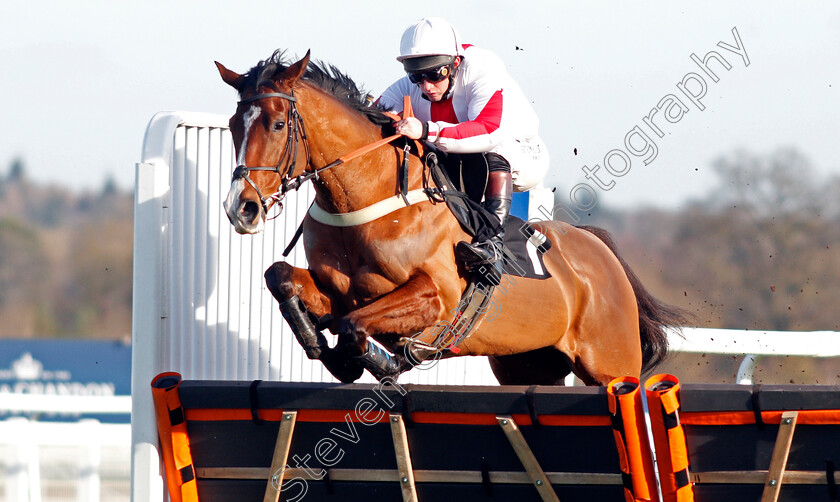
<point>528,158</point>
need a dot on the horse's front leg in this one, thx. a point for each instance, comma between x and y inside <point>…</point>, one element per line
<point>407,310</point>
<point>303,304</point>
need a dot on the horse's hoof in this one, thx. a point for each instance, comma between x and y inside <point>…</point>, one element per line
<point>343,367</point>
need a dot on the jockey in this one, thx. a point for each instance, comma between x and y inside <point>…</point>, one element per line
<point>467,105</point>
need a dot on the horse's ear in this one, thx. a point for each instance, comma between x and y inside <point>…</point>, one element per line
<point>294,72</point>
<point>230,77</point>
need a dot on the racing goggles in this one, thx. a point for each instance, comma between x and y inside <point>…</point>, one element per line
<point>434,76</point>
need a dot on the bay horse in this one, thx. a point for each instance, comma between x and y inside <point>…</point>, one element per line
<point>396,278</point>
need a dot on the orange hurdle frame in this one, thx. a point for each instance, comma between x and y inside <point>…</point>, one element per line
<point>174,441</point>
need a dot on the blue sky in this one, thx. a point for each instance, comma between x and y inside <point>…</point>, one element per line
<point>81,79</point>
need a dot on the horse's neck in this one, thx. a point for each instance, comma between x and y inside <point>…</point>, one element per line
<point>359,182</point>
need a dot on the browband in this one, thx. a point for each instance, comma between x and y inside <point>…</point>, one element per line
<point>269,95</point>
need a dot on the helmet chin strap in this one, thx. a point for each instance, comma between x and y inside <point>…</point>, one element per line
<point>452,74</point>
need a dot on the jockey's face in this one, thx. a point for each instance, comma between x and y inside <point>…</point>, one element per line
<point>434,91</point>
<point>434,83</point>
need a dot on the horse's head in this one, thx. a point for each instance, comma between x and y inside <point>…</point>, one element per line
<point>266,130</point>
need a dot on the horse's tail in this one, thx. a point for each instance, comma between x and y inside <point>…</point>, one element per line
<point>654,315</point>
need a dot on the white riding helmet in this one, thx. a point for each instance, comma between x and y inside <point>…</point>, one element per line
<point>429,43</point>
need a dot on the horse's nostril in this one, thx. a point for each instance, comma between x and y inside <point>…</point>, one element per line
<point>249,212</point>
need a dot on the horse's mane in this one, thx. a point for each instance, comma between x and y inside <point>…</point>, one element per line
<point>323,75</point>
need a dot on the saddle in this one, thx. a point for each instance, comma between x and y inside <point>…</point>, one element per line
<point>473,218</point>
<point>518,258</point>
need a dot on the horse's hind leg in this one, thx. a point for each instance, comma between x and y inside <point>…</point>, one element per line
<point>609,350</point>
<point>546,366</point>
<point>300,300</point>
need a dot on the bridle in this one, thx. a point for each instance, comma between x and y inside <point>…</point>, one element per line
<point>288,160</point>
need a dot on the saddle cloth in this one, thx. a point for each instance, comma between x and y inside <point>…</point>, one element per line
<point>524,251</point>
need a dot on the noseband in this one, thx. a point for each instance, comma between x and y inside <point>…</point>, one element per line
<point>288,160</point>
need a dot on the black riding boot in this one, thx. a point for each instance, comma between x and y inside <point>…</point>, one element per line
<point>497,200</point>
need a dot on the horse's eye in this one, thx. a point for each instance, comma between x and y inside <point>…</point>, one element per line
<point>279,125</point>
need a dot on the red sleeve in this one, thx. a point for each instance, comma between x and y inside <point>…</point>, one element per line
<point>485,123</point>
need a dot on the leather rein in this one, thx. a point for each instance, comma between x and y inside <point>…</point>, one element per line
<point>288,160</point>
